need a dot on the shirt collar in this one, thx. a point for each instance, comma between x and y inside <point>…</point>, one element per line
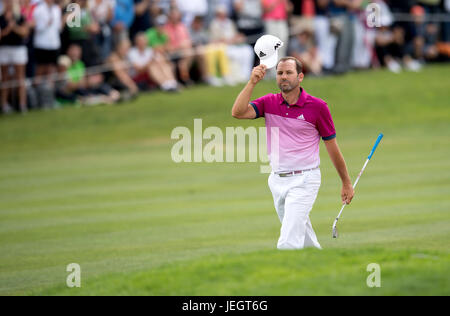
<point>300,102</point>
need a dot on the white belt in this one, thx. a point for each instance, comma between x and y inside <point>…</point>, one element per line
<point>284,174</point>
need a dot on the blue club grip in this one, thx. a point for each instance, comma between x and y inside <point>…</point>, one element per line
<point>375,146</point>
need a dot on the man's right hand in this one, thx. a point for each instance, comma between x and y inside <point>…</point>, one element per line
<point>258,74</point>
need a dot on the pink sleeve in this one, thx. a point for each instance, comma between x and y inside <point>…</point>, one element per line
<point>325,124</point>
<point>258,105</point>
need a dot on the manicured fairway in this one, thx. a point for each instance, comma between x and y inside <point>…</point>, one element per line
<point>97,187</point>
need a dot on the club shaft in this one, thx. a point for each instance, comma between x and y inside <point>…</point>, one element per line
<point>354,185</point>
<point>356,182</point>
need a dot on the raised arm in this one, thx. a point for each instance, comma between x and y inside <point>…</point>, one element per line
<point>337,158</point>
<point>242,109</point>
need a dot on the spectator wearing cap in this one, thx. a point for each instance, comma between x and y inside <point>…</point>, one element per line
<point>46,41</point>
<point>241,55</point>
<point>179,46</point>
<point>156,36</point>
<point>146,67</point>
<point>13,52</point>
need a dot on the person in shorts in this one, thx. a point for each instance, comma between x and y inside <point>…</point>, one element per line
<point>47,42</point>
<point>13,54</point>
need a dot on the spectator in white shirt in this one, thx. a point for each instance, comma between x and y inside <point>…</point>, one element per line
<point>146,66</point>
<point>47,42</point>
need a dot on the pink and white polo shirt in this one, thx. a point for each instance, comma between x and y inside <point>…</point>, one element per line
<point>294,130</point>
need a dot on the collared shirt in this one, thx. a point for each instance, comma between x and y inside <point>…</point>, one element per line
<point>294,131</point>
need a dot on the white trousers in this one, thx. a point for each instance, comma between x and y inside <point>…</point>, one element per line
<point>294,198</point>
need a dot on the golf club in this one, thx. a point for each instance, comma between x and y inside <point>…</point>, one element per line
<point>335,231</point>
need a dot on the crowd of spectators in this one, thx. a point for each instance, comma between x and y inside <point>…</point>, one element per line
<point>88,52</point>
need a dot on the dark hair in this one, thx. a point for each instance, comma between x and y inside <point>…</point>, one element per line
<point>298,63</point>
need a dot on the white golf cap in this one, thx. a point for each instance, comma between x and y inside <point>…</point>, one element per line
<point>266,48</point>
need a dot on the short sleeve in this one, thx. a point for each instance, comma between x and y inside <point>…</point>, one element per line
<point>325,124</point>
<point>259,105</point>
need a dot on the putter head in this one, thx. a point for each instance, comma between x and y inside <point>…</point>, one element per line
<point>335,232</point>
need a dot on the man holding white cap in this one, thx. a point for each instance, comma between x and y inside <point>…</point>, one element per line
<point>295,123</point>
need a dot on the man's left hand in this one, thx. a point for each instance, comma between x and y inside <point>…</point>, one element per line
<point>347,193</point>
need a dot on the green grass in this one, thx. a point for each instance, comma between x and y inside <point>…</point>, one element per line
<point>97,186</point>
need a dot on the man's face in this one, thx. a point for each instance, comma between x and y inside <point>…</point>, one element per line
<point>287,77</point>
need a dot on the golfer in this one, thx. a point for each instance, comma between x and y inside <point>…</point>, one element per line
<point>298,121</point>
